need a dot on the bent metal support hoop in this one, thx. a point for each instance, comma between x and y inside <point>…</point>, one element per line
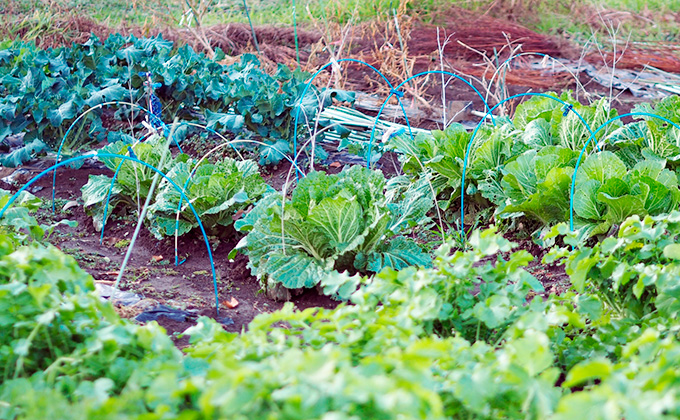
<point>309,83</point>
<point>158,171</point>
<point>474,134</point>
<point>115,174</point>
<point>398,93</point>
<point>73,124</point>
<point>583,150</point>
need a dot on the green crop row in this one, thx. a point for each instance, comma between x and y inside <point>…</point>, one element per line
<point>43,92</point>
<point>524,167</point>
<point>461,339</point>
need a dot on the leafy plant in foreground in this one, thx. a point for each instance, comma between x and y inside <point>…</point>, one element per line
<point>636,272</point>
<point>477,294</point>
<point>54,324</point>
<point>333,222</point>
<point>389,355</point>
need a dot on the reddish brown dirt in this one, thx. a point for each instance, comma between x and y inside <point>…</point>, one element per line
<point>187,286</point>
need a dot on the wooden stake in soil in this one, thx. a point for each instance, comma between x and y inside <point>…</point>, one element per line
<point>142,215</point>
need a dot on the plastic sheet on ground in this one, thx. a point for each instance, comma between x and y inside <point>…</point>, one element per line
<point>161,310</point>
<point>116,296</point>
<point>649,83</point>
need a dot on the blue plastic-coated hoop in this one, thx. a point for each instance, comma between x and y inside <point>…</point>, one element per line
<point>399,94</point>
<point>114,156</point>
<point>108,199</point>
<point>474,133</point>
<point>592,136</point>
<point>63,140</point>
<point>309,83</point>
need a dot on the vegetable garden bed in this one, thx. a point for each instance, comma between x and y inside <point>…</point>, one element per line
<point>525,269</point>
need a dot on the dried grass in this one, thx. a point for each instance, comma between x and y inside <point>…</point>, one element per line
<point>636,58</point>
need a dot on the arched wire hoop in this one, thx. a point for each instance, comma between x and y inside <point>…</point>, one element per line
<point>114,156</point>
<point>583,150</point>
<point>399,94</point>
<point>115,174</point>
<point>82,115</point>
<point>309,83</point>
<point>474,134</point>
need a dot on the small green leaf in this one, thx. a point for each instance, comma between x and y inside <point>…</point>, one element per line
<point>672,251</point>
<point>587,371</point>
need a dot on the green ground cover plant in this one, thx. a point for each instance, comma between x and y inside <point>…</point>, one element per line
<point>635,271</point>
<point>406,347</point>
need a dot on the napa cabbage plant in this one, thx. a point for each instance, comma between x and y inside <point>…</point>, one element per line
<point>218,191</point>
<point>442,156</point>
<point>538,185</point>
<point>543,121</point>
<point>607,193</point>
<point>650,137</point>
<point>349,221</point>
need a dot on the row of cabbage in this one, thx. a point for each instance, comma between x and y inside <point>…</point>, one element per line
<point>359,221</point>
<point>524,167</point>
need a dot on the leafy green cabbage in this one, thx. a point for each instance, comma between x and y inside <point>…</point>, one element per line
<point>333,222</point>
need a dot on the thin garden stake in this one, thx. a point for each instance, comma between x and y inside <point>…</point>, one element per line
<point>252,29</point>
<point>297,45</point>
<point>100,155</point>
<point>142,215</point>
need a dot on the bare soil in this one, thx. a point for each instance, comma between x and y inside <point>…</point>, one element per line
<point>151,271</point>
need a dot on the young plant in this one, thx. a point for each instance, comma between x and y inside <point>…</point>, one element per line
<point>606,193</point>
<point>634,272</point>
<point>650,137</point>
<point>218,192</point>
<point>132,183</point>
<point>443,152</point>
